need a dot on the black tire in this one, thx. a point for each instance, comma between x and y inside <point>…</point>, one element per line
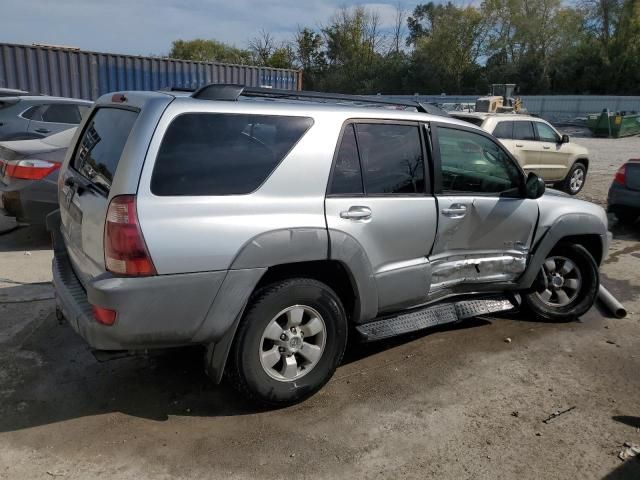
<point>246,371</point>
<point>567,183</point>
<point>586,293</point>
<point>626,217</point>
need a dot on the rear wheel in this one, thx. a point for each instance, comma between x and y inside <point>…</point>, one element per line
<point>289,342</point>
<point>574,181</point>
<point>567,284</point>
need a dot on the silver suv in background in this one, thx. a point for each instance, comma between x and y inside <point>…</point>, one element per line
<point>38,116</point>
<point>268,224</point>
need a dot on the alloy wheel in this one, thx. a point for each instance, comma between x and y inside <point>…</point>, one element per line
<point>292,343</point>
<point>577,180</point>
<point>562,281</point>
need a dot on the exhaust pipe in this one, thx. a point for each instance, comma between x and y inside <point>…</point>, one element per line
<point>609,301</point>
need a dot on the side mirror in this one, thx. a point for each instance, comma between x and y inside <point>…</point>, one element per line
<point>565,139</point>
<point>534,186</point>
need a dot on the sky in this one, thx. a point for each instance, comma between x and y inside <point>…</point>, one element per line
<point>144,27</point>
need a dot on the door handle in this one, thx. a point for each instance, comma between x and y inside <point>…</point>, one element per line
<point>42,130</point>
<point>546,147</point>
<point>356,213</point>
<point>519,145</point>
<point>455,211</point>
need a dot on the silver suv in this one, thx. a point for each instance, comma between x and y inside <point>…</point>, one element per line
<point>266,225</point>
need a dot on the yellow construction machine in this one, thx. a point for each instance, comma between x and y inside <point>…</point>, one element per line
<point>500,100</point>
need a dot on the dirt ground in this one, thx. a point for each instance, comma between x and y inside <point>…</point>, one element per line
<point>451,403</point>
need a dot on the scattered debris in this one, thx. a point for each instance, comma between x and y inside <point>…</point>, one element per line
<point>55,474</point>
<point>515,413</point>
<point>611,342</point>
<point>28,254</point>
<point>292,455</point>
<point>538,434</point>
<point>557,413</point>
<point>630,451</point>
<point>507,340</point>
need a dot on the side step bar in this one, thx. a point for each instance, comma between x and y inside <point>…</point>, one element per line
<point>431,316</point>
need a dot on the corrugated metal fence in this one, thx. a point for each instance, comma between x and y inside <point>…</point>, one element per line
<point>555,108</point>
<point>79,74</point>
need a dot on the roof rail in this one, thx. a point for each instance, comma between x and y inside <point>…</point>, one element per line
<point>218,91</point>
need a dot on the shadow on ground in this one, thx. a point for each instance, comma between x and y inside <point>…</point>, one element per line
<point>629,470</point>
<point>53,376</point>
<point>29,238</point>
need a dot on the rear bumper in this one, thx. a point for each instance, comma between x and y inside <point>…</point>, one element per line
<point>152,312</point>
<point>621,197</point>
<point>29,202</point>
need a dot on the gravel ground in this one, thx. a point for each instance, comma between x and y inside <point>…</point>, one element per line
<point>450,403</point>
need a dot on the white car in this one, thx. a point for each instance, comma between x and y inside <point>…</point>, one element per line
<point>537,146</point>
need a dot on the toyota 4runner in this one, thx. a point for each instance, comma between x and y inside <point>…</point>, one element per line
<point>266,225</point>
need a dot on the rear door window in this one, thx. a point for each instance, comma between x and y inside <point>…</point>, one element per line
<point>523,130</point>
<point>223,154</point>
<point>391,158</point>
<point>61,113</point>
<point>100,147</point>
<point>504,130</point>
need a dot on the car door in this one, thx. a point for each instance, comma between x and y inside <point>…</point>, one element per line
<point>554,155</point>
<point>379,197</point>
<point>485,226</point>
<point>526,149</point>
<point>54,118</point>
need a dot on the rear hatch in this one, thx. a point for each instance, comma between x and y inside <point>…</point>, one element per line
<point>105,161</point>
<point>633,175</point>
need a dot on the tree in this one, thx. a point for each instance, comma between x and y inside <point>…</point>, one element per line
<point>202,50</point>
<point>448,42</point>
<point>262,47</point>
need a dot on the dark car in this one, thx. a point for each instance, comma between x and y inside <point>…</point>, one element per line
<point>29,175</point>
<point>38,116</point>
<point>624,194</point>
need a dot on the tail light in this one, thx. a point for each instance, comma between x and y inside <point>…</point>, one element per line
<point>103,315</point>
<point>30,169</point>
<point>621,175</point>
<point>125,252</point>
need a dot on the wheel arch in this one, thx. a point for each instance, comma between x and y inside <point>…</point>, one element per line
<point>584,161</point>
<point>585,230</point>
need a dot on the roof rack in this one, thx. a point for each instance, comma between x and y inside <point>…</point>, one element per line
<point>231,92</point>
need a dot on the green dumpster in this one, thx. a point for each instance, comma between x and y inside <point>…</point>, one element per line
<point>615,125</point>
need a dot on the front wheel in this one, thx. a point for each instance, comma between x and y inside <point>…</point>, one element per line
<point>567,284</point>
<point>289,342</point>
<point>574,181</point>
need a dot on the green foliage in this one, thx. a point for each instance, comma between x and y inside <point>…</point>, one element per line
<point>202,50</point>
<point>544,46</point>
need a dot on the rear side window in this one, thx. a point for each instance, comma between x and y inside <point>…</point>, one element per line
<point>523,131</point>
<point>32,113</point>
<point>61,113</point>
<point>223,154</point>
<point>391,158</point>
<point>504,130</point>
<point>102,142</point>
